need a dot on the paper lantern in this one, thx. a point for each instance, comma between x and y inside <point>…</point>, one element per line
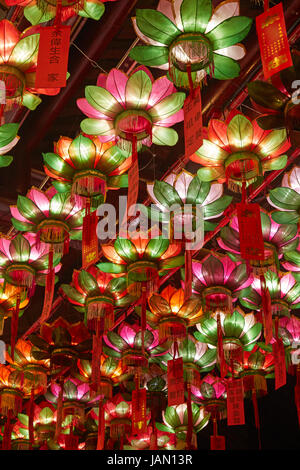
<point>192,34</point>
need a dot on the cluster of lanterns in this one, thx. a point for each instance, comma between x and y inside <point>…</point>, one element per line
<point>156,378</point>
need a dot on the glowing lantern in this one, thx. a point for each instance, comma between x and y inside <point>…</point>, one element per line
<point>212,395</point>
<point>86,167</point>
<point>61,342</point>
<point>182,189</point>
<point>127,345</point>
<point>41,11</point>
<point>11,390</point>
<point>278,240</point>
<point>35,371</point>
<point>287,198</point>
<point>192,36</point>
<point>173,314</point>
<point>118,415</point>
<point>175,420</point>
<point>218,279</point>
<point>257,365</point>
<point>142,259</point>
<point>275,100</point>
<point>96,293</point>
<point>18,65</point>
<point>238,151</point>
<point>121,108</point>
<point>165,441</point>
<point>11,301</point>
<point>289,332</point>
<point>112,374</point>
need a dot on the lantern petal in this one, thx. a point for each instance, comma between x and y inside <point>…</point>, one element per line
<point>126,250</point>
<point>138,89</point>
<point>9,36</point>
<point>30,100</point>
<point>156,247</point>
<point>82,152</point>
<point>195,15</point>
<point>276,163</point>
<point>89,111</point>
<point>161,88</point>
<point>116,85</point>
<point>100,127</point>
<point>233,325</point>
<point>211,173</point>
<point>239,133</point>
<point>285,198</point>
<point>166,194</point>
<point>167,107</point>
<point>151,56</point>
<point>24,54</point>
<point>225,68</point>
<point>164,136</point>
<point>229,32</point>
<point>267,95</point>
<point>57,165</point>
<point>156,26</point>
<point>223,11</point>
<point>102,100</point>
<point>271,142</point>
<point>216,208</point>
<point>209,154</point>
<point>236,52</point>
<point>92,9</point>
<point>290,217</point>
<point>19,249</point>
<point>35,15</point>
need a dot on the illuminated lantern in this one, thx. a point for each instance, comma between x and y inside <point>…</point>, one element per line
<point>218,279</point>
<point>238,151</point>
<point>75,398</point>
<point>289,332</point>
<point>287,198</point>
<point>24,261</point>
<point>35,371</point>
<point>50,214</point>
<point>175,420</point>
<point>86,167</point>
<point>41,11</point>
<point>239,332</point>
<point>121,108</point>
<point>212,395</point>
<point>165,441</point>
<point>112,374</point>
<point>172,314</point>
<point>192,35</point>
<point>118,416</point>
<point>142,259</point>
<point>126,344</point>
<point>20,436</point>
<point>173,195</point>
<point>277,100</point>
<point>278,241</point>
<point>11,301</point>
<point>95,294</point>
<point>8,139</point>
<point>257,366</point>
<point>11,390</point>
<point>18,65</point>
<point>61,342</point>
<point>284,291</point>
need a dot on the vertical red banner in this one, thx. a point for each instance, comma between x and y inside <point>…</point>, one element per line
<point>133,192</point>
<point>52,64</point>
<point>251,239</point>
<point>139,411</point>
<point>193,122</point>
<point>188,274</point>
<point>89,239</point>
<point>235,402</point>
<point>175,382</point>
<point>273,41</point>
<point>267,312</point>
<point>280,368</point>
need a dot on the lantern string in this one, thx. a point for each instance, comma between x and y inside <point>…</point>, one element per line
<point>92,62</point>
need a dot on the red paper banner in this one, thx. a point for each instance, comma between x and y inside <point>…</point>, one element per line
<point>133,189</point>
<point>193,122</point>
<point>89,239</point>
<point>175,382</point>
<point>52,64</point>
<point>222,363</point>
<point>251,239</point>
<point>273,41</point>
<point>267,312</point>
<point>188,274</point>
<point>49,290</point>
<point>217,443</point>
<point>235,402</point>
<point>280,368</point>
<point>139,411</point>
<point>96,362</point>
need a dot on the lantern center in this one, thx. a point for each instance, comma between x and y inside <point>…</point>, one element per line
<point>242,166</point>
<point>14,82</point>
<point>89,183</point>
<point>192,50</point>
<point>132,123</point>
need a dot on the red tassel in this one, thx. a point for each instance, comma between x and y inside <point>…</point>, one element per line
<point>189,74</point>
<point>49,290</point>
<point>101,427</point>
<point>71,441</point>
<point>256,416</point>
<point>14,326</point>
<point>189,433</point>
<point>188,274</point>
<point>153,438</point>
<point>223,368</point>
<point>96,357</point>
<point>6,443</point>
<point>66,244</point>
<point>31,416</point>
<point>59,411</point>
<point>89,237</point>
<point>143,315</point>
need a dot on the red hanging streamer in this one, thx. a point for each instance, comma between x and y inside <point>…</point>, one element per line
<point>267,310</point>
<point>251,239</point>
<point>143,315</point>
<point>256,415</point>
<point>59,411</point>
<point>221,357</point>
<point>31,417</point>
<point>14,326</point>
<point>6,442</point>
<point>175,382</point>
<point>273,41</point>
<point>101,427</point>
<point>139,410</point>
<point>189,433</point>
<point>235,402</point>
<point>49,290</point>
<point>188,274</point>
<point>216,442</point>
<point>133,187</point>
<point>192,109</point>
<point>279,359</point>
<point>89,237</point>
<point>96,356</point>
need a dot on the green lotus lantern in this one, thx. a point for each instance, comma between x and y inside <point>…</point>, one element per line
<point>238,151</point>
<point>86,167</point>
<point>191,39</point>
<point>8,139</point>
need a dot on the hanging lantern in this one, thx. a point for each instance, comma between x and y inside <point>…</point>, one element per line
<point>211,394</point>
<point>118,416</point>
<point>172,314</point>
<point>175,420</point>
<point>275,100</point>
<point>239,332</point>
<point>121,107</point>
<point>191,35</point>
<point>258,365</point>
<point>18,66</point>
<point>61,342</point>
<point>142,259</point>
<point>165,441</point>
<point>126,344</point>
<point>218,279</point>
<point>11,390</point>
<point>240,151</point>
<point>278,239</point>
<point>96,293</point>
<point>289,333</point>
<point>12,303</point>
<point>177,197</point>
